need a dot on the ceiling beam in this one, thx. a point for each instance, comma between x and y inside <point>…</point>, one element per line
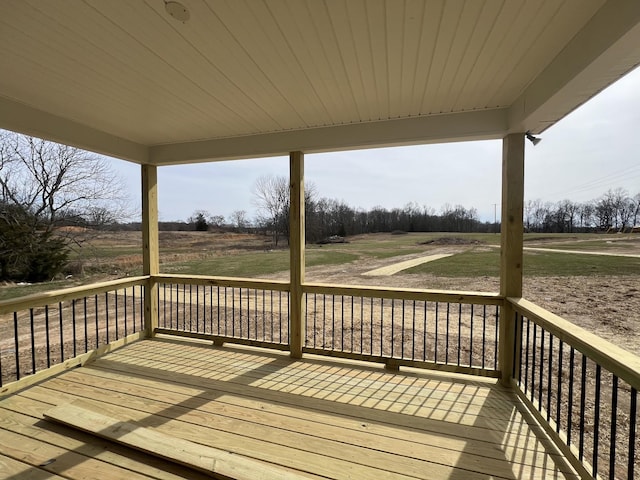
<point>21,118</point>
<point>606,48</point>
<point>465,126</point>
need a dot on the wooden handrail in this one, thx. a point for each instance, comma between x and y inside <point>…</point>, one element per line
<point>625,365</point>
<point>54,296</point>
<point>277,285</point>
<point>477,298</point>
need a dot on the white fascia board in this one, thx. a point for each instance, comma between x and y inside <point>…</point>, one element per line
<point>464,126</point>
<point>21,118</point>
<point>606,48</point>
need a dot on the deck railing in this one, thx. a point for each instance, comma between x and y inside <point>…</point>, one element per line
<point>454,331</point>
<point>59,329</point>
<point>234,310</point>
<point>583,388</point>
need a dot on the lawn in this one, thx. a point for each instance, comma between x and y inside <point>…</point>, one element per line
<point>536,264</point>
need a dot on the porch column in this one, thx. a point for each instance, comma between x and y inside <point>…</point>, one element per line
<point>511,237</point>
<point>296,252</point>
<point>150,262</point>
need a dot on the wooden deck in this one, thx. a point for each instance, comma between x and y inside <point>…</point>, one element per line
<point>326,418</point>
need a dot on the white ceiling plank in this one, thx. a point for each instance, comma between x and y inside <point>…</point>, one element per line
<point>24,119</point>
<point>606,48</point>
<point>246,69</point>
<point>481,125</point>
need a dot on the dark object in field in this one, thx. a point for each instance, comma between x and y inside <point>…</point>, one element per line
<point>398,232</point>
<point>451,241</point>
<point>332,239</point>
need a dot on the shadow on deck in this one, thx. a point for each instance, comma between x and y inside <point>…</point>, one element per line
<point>326,418</point>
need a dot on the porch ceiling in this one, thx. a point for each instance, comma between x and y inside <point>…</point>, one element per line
<point>259,78</point>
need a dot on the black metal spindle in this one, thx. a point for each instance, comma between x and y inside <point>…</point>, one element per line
<point>352,325</point>
<point>393,321</point>
<point>61,332</point>
<point>446,337</point>
<point>264,315</point>
<point>280,318</point>
<point>459,330</point>
<point>596,421</point>
<point>614,429</point>
<point>435,343</point>
<point>413,332</point>
<point>225,312</point>
<point>583,395</point>
<point>239,311</point>
<point>86,333</point>
<point>96,319</point>
<point>255,307</point>
<point>402,331</point>
<point>361,324</point>
<point>126,330</point>
<point>484,334</point>
<point>16,344</point>
<point>526,356</point>
<point>73,323</point>
<point>197,306</point>
<point>381,326</point>
<point>633,419</point>
<point>371,327</point>
<point>471,337</point>
<point>314,319</point>
<point>424,331</point>
<point>559,386</point>
<point>540,380</point>
<point>46,333</point>
<point>324,320</point>
<point>133,307</point>
<point>516,336</point>
<point>106,314</point>
<point>495,339</point>
<point>534,348</point>
<point>550,377</point>
<point>570,393</point>
<point>33,341</point>
<point>342,323</point>
<point>115,299</point>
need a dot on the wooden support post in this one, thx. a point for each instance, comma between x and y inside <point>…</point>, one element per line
<point>296,249</point>
<point>150,262</point>
<point>511,243</point>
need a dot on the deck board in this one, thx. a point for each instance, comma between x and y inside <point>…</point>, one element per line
<point>333,419</point>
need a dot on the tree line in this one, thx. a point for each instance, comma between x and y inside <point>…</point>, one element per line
<point>616,210</point>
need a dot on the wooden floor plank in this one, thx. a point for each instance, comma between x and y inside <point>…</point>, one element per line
<point>14,469</point>
<point>327,458</point>
<point>59,461</point>
<point>337,419</point>
<point>87,445</point>
<point>374,411</point>
<point>408,443</point>
<point>167,447</point>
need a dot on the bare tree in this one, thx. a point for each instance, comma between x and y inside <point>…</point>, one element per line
<point>44,185</point>
<point>239,219</point>
<point>271,197</point>
<point>52,181</point>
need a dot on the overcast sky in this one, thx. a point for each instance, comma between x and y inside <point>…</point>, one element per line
<point>595,148</point>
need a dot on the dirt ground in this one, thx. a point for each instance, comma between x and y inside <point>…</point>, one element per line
<point>607,306</point>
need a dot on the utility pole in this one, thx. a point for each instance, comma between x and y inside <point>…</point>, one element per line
<point>495,217</point>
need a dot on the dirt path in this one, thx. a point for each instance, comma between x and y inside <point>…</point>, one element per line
<point>582,252</point>
<point>400,266</point>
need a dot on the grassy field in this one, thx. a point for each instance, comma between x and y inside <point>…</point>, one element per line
<point>118,254</point>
